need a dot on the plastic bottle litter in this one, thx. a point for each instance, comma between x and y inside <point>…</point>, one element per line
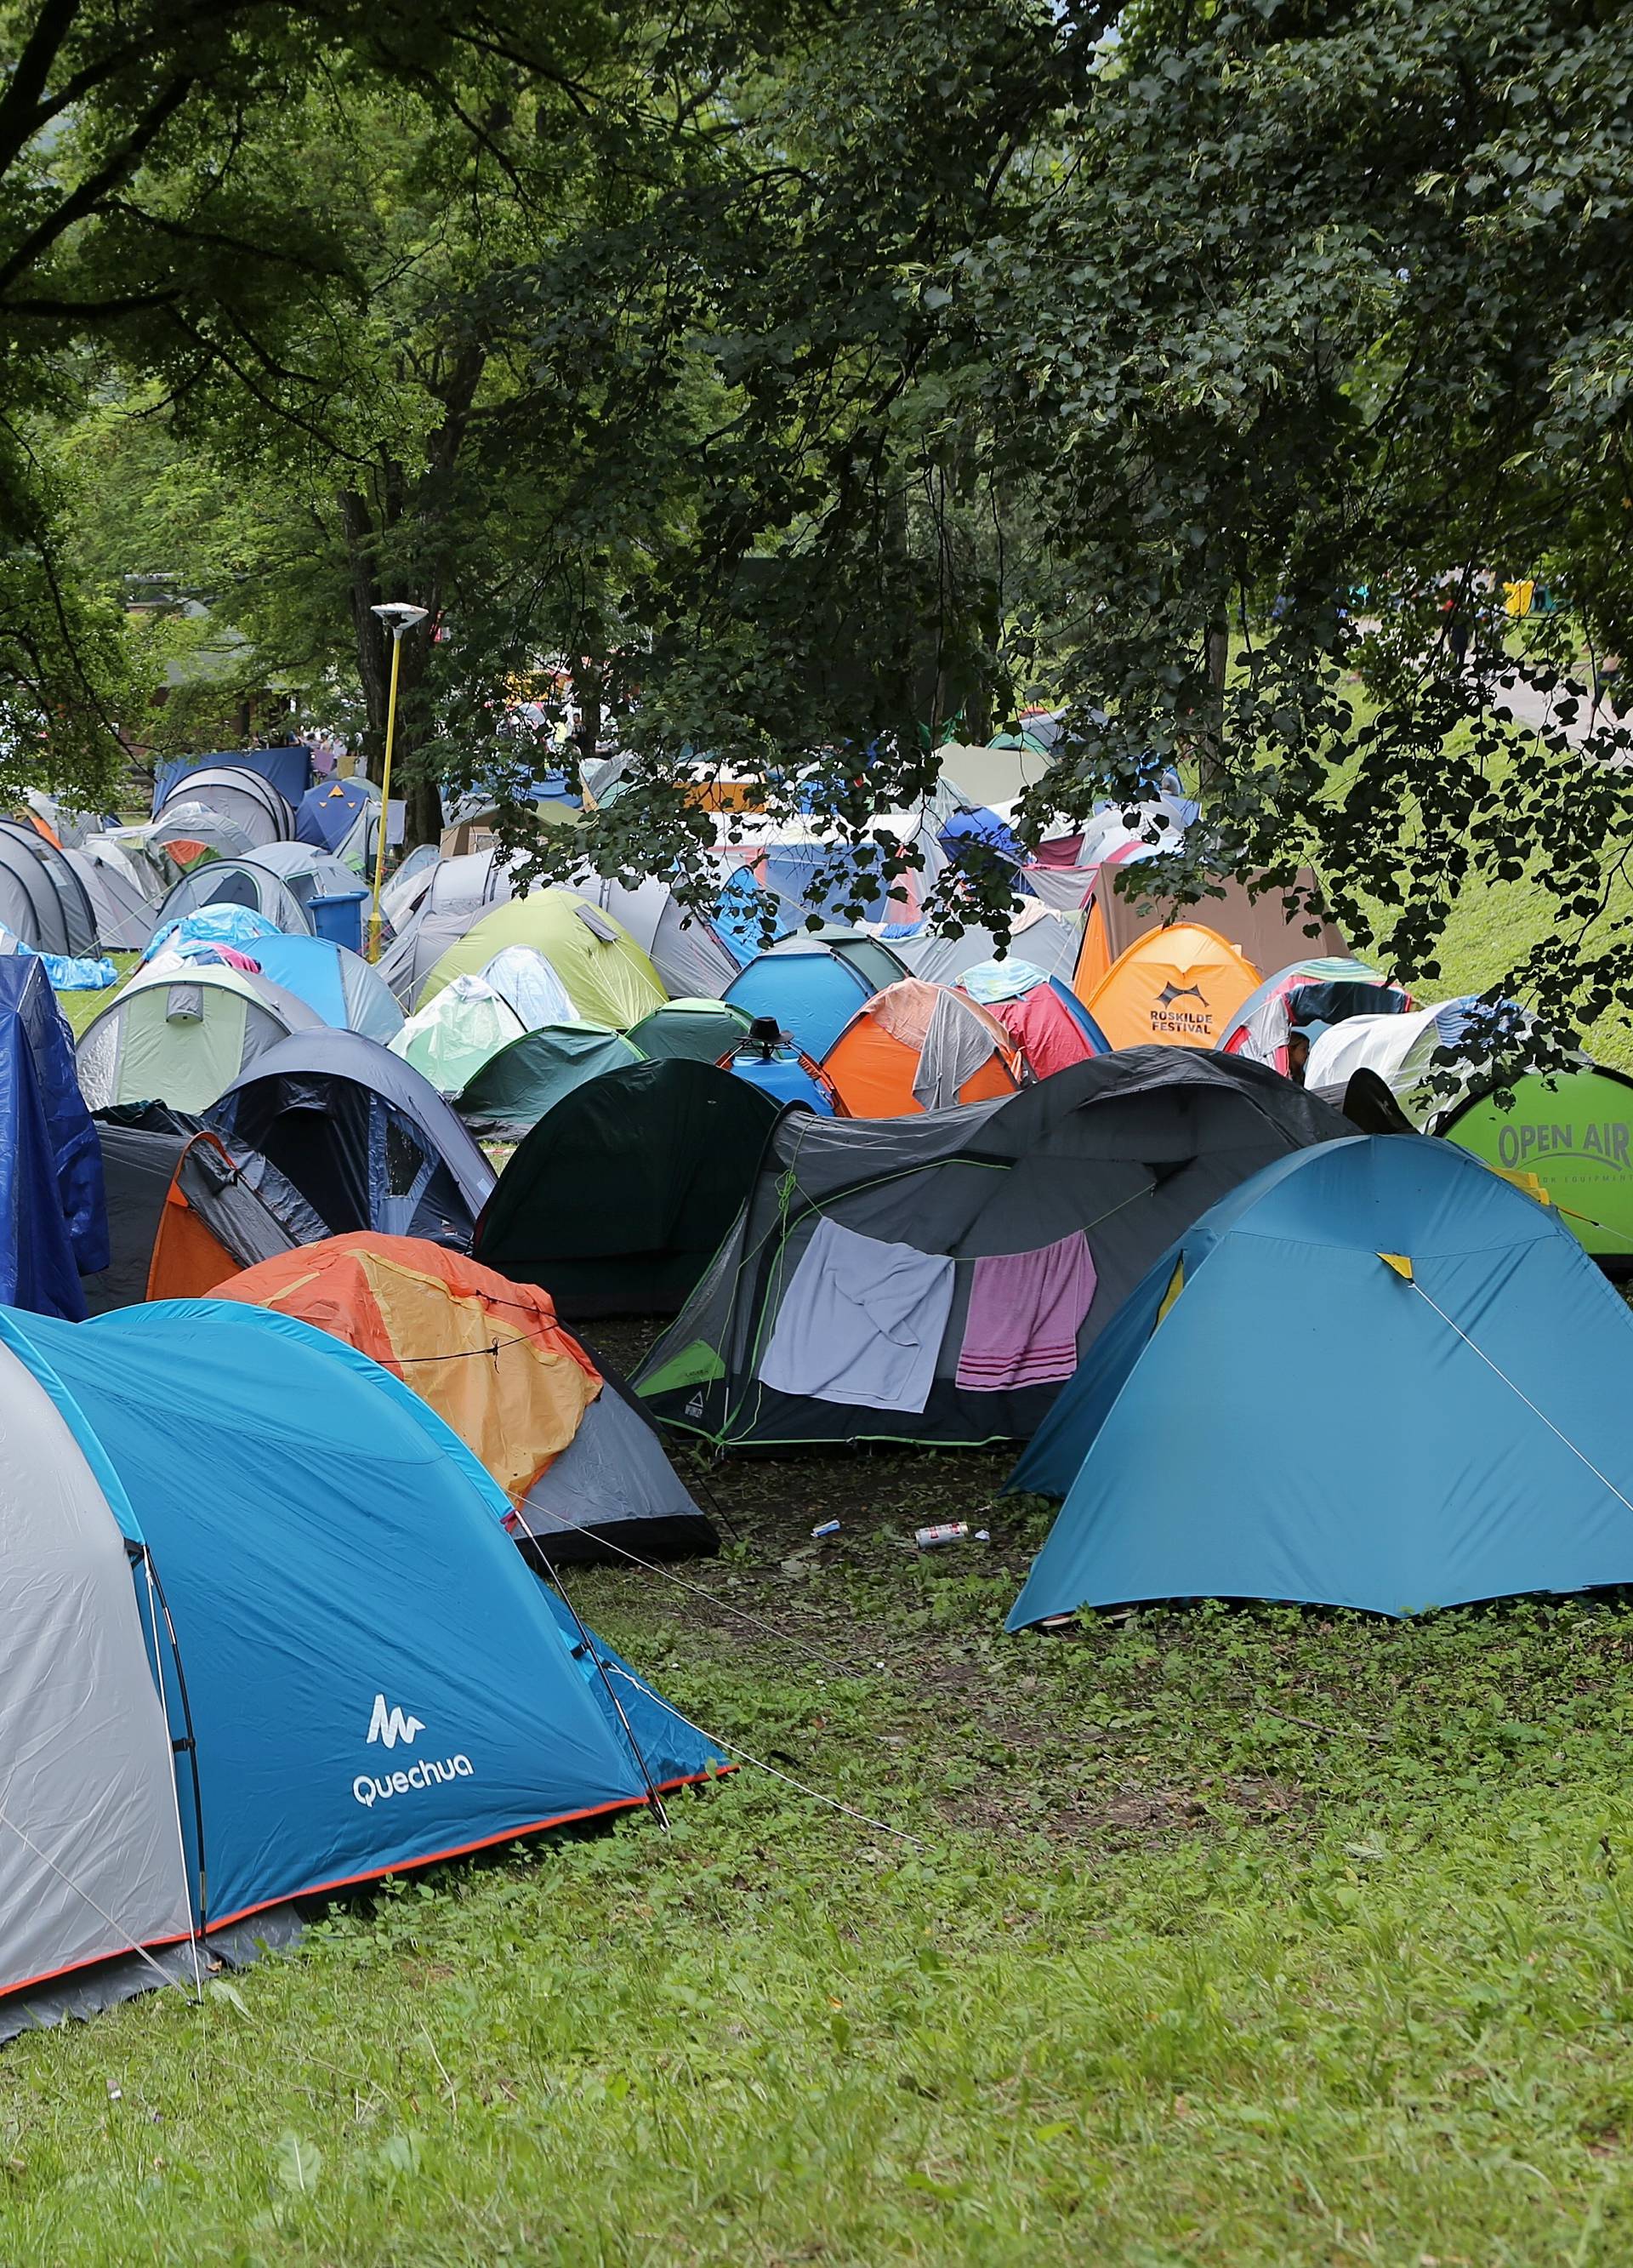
<point>951,1531</point>
<point>828,1528</point>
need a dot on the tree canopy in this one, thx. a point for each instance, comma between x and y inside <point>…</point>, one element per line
<point>815,381</point>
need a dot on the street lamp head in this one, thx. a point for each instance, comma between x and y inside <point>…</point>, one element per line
<point>398,615</point>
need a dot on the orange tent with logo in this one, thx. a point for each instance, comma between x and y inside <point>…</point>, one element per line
<point>1177,988</point>
<point>1259,928</point>
<point>871,1065</point>
<point>488,1355</point>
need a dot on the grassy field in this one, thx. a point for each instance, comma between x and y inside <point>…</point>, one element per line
<point>1259,1937</point>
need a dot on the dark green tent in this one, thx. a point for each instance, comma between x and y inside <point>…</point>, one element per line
<point>514,1088</point>
<point>700,1031</point>
<point>619,1198</point>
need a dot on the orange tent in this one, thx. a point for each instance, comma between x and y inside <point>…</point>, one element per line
<point>1175,987</point>
<point>488,1355</point>
<point>1258,928</point>
<point>871,1065</point>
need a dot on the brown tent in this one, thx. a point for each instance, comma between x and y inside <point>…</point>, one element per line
<point>1257,927</point>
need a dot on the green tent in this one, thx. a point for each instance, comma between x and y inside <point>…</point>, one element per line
<point>699,1031</point>
<point>1572,1131</point>
<point>608,979</point>
<point>452,1036</point>
<point>513,1089</point>
<point>620,1198</point>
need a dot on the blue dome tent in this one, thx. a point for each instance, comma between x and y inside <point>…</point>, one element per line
<point>1472,1371</point>
<point>357,1669</point>
<point>812,984</point>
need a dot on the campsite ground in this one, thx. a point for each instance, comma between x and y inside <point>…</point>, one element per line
<point>1224,1935</point>
<point>1278,1938</point>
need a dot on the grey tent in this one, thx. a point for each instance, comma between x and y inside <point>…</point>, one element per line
<point>236,882</point>
<point>1120,1154</point>
<point>420,945</point>
<point>366,1139</point>
<point>182,1037</point>
<point>186,830</point>
<point>1040,937</point>
<point>305,870</point>
<point>244,797</point>
<point>182,1214</point>
<point>43,898</point>
<point>123,913</point>
<point>91,1856</point>
<point>612,1494</point>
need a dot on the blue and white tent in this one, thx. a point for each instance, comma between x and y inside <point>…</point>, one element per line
<point>249,1661</point>
<point>1461,1373</point>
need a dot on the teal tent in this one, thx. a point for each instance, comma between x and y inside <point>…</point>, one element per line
<point>513,1089</point>
<point>1376,1375</point>
<point>702,1031</point>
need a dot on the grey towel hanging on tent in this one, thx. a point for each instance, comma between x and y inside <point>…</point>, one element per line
<point>861,1322</point>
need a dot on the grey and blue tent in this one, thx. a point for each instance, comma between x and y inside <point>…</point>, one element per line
<point>266,1638</point>
<point>235,882</point>
<point>362,1136</point>
<point>934,1278</point>
<point>1471,1369</point>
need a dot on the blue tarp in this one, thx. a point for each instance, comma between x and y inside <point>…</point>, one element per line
<point>51,1199</point>
<point>1463,1432</point>
<point>222,923</point>
<point>375,1678</point>
<point>287,769</point>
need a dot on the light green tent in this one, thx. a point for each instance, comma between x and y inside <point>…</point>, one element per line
<point>1572,1131</point>
<point>608,979</point>
<point>184,1036</point>
<point>450,1039</point>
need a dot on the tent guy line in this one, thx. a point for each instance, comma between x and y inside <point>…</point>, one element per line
<point>788,1779</point>
<point>1413,1284</point>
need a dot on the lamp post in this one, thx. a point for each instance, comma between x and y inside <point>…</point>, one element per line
<point>397,616</point>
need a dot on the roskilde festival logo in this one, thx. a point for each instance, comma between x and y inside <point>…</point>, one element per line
<point>386,1726</point>
<point>1197,1022</point>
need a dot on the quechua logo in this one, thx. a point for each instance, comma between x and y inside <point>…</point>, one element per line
<point>388,1724</point>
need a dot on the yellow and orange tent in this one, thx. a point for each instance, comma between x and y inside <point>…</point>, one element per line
<point>487,1354</point>
<point>1259,928</point>
<point>1177,988</point>
<point>871,1065</point>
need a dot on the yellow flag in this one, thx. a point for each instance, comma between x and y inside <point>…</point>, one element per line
<point>1399,1262</point>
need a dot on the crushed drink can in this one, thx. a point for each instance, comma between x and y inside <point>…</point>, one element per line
<point>951,1531</point>
<point>828,1528</point>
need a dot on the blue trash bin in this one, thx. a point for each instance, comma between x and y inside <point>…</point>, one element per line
<point>339,918</point>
